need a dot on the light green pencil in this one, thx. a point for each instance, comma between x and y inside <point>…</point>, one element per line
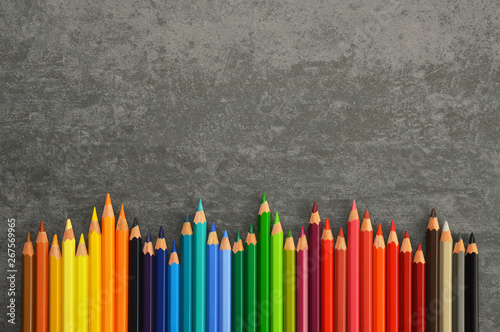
<point>289,283</point>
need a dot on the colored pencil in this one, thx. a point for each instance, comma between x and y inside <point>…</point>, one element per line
<point>251,281</point>
<point>277,276</point>
<point>263,287</point>
<point>327,248</point>
<point>238,284</point>
<point>212,281</point>
<point>28,285</point>
<point>379,277</point>
<point>186,276</point>
<point>199,269</point>
<point>108,267</point>
<point>82,287</point>
<point>135,278</point>
<point>314,233</point>
<point>42,280</point>
<point>289,284</point>
<point>445,279</point>
<point>121,263</point>
<point>339,292</point>
<point>418,291</point>
<point>225,284</point>
<point>147,293</point>
<point>173,318</point>
<point>471,287</point>
<point>302,281</point>
<point>405,284</point>
<point>95,276</point>
<point>366,275</point>
<point>160,282</point>
<point>432,271</point>
<point>68,279</point>
<point>458,286</point>
<point>55,282</point>
<point>353,270</point>
<point>392,280</point>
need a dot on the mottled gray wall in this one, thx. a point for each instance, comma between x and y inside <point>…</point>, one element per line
<point>392,103</point>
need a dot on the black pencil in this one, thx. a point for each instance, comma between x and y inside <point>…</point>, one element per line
<point>134,277</point>
<point>432,271</point>
<point>471,287</point>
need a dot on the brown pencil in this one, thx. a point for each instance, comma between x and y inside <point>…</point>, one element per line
<point>42,280</point>
<point>432,271</point>
<point>28,285</point>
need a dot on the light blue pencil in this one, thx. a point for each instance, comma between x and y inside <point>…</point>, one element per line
<point>225,284</point>
<point>212,281</point>
<point>173,316</point>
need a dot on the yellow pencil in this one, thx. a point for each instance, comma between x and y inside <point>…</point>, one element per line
<point>68,279</point>
<point>82,292</point>
<point>55,280</point>
<point>95,274</point>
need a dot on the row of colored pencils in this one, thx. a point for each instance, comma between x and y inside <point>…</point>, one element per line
<point>267,283</point>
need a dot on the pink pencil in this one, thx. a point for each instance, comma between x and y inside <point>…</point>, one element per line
<point>353,270</point>
<point>302,283</point>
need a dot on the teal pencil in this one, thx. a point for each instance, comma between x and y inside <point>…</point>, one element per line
<point>199,269</point>
<point>186,276</point>
<point>173,316</point>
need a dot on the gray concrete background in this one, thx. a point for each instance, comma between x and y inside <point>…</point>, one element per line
<point>392,103</point>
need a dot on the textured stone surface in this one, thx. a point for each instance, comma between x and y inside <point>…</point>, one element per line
<point>392,103</point>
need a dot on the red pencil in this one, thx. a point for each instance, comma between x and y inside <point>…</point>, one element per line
<point>418,291</point>
<point>392,275</point>
<point>314,233</point>
<point>366,274</point>
<point>353,270</point>
<point>340,276</point>
<point>302,283</point>
<point>405,286</point>
<point>379,282</point>
<point>327,278</point>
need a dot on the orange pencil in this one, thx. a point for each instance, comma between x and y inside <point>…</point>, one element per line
<point>42,280</point>
<point>392,287</point>
<point>55,291</point>
<point>405,284</point>
<point>108,267</point>
<point>379,282</point>
<point>340,283</point>
<point>327,253</point>
<point>365,274</point>
<point>121,286</point>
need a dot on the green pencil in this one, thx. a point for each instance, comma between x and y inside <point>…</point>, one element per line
<point>277,276</point>
<point>264,226</point>
<point>237,283</point>
<point>289,283</point>
<point>251,281</point>
<point>199,269</point>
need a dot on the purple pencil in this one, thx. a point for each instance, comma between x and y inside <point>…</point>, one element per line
<point>147,285</point>
<point>302,283</point>
<point>314,233</point>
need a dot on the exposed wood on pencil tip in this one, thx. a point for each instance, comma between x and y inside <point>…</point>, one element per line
<point>366,225</point>
<point>186,227</point>
<point>238,245</point>
<point>277,228</point>
<point>55,251</point>
<point>302,243</point>
<point>225,244</point>
<point>419,255</point>
<point>289,243</point>
<point>122,225</point>
<point>28,245</point>
<point>82,248</point>
<point>315,218</point>
<point>68,233</point>
<point>406,245</point>
<point>199,217</point>
<point>174,258</point>
<point>393,236</point>
<point>340,245</point>
<point>42,235</point>
<point>446,233</point>
<point>459,247</point>
<point>433,221</point>
<point>135,233</point>
<point>379,238</point>
<point>212,236</point>
<point>251,238</point>
<point>148,248</point>
<point>327,232</point>
<point>108,208</point>
<point>472,247</point>
<point>264,207</point>
<point>161,244</point>
<point>353,215</point>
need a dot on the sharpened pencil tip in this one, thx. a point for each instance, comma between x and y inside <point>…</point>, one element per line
<point>186,218</point>
<point>315,207</point>
<point>302,233</point>
<point>433,213</point>
<point>108,200</point>
<point>161,235</point>
<point>341,232</point>
<point>393,228</point>
<point>353,207</point>
<point>367,215</point>
<point>68,224</point>
<point>419,247</point>
<point>446,227</point>
<point>135,223</point>
<point>459,237</point>
<point>264,199</point>
<point>55,242</point>
<point>174,248</point>
<point>28,237</point>
<point>472,239</point>
<point>250,229</point>
<point>379,229</point>
<point>200,206</point>
<point>289,234</point>
<point>122,212</point>
<point>42,227</point>
<point>238,237</point>
<point>276,218</point>
<point>148,237</point>
<point>82,239</point>
<point>225,234</point>
<point>212,228</point>
<point>327,224</point>
<point>407,236</point>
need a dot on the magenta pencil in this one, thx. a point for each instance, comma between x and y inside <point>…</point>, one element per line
<point>353,270</point>
<point>314,233</point>
<point>302,283</point>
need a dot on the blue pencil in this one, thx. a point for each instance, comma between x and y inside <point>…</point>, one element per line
<point>161,257</point>
<point>225,284</point>
<point>212,281</point>
<point>186,276</point>
<point>173,291</point>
